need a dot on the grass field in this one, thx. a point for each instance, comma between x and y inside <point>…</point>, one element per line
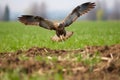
<point>15,36</point>
<point>38,63</point>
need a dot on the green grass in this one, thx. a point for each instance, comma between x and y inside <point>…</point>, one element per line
<point>15,36</point>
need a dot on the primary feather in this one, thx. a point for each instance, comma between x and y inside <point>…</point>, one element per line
<point>77,12</point>
<point>36,20</point>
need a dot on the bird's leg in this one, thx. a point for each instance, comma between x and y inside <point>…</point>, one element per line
<point>61,37</point>
<point>58,38</point>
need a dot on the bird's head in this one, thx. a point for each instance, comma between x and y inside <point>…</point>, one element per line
<point>60,25</point>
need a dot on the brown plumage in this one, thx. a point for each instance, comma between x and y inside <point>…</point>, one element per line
<point>61,33</point>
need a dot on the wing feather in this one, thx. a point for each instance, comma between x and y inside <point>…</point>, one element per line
<point>36,20</point>
<point>78,11</point>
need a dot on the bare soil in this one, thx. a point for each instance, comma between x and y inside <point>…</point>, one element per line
<point>40,60</point>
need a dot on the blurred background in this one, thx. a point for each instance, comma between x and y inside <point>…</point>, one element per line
<point>58,9</point>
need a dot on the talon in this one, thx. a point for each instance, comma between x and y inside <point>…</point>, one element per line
<point>61,37</point>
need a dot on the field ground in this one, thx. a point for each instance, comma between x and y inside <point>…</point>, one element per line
<point>92,53</point>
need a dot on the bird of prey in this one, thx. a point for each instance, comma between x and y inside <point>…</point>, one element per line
<point>59,27</point>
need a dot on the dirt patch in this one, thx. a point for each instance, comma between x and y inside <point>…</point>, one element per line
<point>89,63</point>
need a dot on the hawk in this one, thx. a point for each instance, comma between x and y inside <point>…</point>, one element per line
<point>59,27</point>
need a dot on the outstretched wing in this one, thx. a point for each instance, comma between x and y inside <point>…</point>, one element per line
<point>36,20</point>
<point>78,11</point>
